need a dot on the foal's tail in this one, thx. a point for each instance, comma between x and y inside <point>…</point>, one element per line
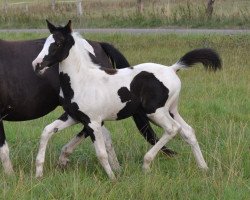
<point>208,57</point>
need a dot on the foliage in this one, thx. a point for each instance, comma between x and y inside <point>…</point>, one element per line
<point>118,13</point>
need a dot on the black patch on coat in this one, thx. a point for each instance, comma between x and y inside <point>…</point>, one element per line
<point>2,134</point>
<point>109,71</point>
<point>131,105</point>
<point>71,107</point>
<point>66,86</point>
<point>171,114</point>
<point>124,94</point>
<point>152,93</point>
<point>64,117</point>
<point>58,50</point>
<point>86,134</point>
<point>146,93</point>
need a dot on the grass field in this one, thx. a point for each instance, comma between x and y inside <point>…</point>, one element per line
<point>216,105</point>
<point>120,13</point>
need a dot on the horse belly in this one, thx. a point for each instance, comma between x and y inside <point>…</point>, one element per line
<point>101,110</point>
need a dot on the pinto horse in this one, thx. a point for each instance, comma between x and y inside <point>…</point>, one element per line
<point>91,94</point>
<point>25,96</point>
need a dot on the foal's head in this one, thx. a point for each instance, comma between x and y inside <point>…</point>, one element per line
<point>56,47</point>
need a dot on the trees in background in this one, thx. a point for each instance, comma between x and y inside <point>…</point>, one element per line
<point>140,6</point>
<point>210,8</point>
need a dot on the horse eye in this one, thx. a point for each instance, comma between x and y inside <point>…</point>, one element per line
<point>58,44</point>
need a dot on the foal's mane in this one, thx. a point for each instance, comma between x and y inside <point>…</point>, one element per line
<point>83,44</point>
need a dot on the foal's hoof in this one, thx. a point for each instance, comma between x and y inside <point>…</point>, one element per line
<point>146,169</point>
<point>39,171</point>
<point>62,163</point>
<point>39,175</point>
<point>112,178</point>
<point>204,169</point>
<point>9,172</point>
<point>117,168</point>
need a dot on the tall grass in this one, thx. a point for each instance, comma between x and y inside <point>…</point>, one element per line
<point>118,13</point>
<point>216,105</point>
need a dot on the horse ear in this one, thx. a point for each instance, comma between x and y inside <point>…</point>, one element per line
<point>68,27</point>
<point>50,26</point>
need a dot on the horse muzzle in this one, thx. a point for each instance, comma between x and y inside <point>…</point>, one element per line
<point>39,67</point>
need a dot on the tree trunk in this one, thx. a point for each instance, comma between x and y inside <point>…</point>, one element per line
<point>5,6</point>
<point>79,7</point>
<point>210,8</point>
<point>140,6</point>
<point>53,4</point>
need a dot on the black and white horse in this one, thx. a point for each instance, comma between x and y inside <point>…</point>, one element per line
<point>25,96</point>
<point>91,94</point>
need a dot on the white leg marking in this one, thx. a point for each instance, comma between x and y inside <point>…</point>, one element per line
<point>101,152</point>
<point>4,154</point>
<point>170,126</point>
<point>69,148</point>
<point>48,131</point>
<point>188,135</point>
<point>113,161</point>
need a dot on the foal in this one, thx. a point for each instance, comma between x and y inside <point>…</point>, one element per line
<point>91,94</point>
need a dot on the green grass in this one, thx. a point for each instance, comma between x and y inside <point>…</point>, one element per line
<point>216,105</point>
<point>119,13</point>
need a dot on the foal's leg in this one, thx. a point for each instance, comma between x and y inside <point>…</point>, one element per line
<point>95,131</point>
<point>4,151</point>
<point>170,127</point>
<point>113,161</point>
<point>48,131</point>
<point>70,147</point>
<point>148,133</point>
<point>188,135</point>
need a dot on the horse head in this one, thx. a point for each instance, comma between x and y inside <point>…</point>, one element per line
<point>55,49</point>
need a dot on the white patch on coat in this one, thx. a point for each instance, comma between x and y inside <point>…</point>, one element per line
<point>44,52</point>
<point>4,155</point>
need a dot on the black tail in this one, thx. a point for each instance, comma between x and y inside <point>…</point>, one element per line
<point>208,57</point>
<point>116,57</point>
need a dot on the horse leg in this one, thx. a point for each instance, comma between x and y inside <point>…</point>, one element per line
<point>170,127</point>
<point>188,135</point>
<point>94,129</point>
<point>4,151</point>
<point>113,161</point>
<point>70,147</point>
<point>148,133</point>
<point>48,131</point>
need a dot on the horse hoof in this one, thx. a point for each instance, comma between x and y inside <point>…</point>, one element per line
<point>146,169</point>
<point>62,163</point>
<point>39,175</point>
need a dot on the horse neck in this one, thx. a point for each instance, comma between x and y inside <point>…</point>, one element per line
<point>78,63</point>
